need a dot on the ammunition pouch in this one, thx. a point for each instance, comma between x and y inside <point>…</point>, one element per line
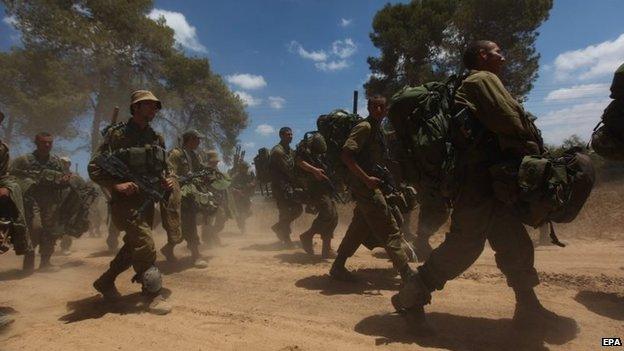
<point>150,159</point>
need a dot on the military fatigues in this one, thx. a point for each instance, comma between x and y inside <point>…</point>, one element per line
<point>318,195</point>
<point>183,162</point>
<point>218,184</point>
<point>371,216</point>
<point>477,214</point>
<point>138,250</point>
<point>283,177</point>
<point>12,208</point>
<point>38,178</point>
<point>243,187</point>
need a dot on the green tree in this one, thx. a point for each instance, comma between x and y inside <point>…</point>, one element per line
<point>425,40</point>
<point>105,49</point>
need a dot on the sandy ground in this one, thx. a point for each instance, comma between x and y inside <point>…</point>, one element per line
<point>255,296</point>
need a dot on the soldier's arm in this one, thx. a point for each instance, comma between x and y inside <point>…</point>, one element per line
<point>174,161</point>
<point>354,144</point>
<point>496,109</point>
<point>19,168</point>
<point>318,173</point>
<point>98,175</point>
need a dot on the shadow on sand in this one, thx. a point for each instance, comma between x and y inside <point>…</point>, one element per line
<point>300,258</point>
<point>369,282</point>
<point>610,305</point>
<point>179,265</point>
<point>274,246</point>
<point>102,253</point>
<point>95,307</point>
<point>466,333</point>
<point>14,274</point>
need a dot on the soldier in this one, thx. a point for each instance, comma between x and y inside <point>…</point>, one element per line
<point>12,218</point>
<point>184,161</point>
<point>284,185</point>
<point>43,181</point>
<point>218,184</point>
<point>243,187</point>
<point>142,150</point>
<point>66,240</point>
<point>320,190</point>
<point>506,134</point>
<point>362,151</point>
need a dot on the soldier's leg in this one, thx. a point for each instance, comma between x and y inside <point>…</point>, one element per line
<point>356,232</point>
<point>112,240</point>
<point>325,223</point>
<point>189,231</point>
<point>383,226</point>
<point>33,226</point>
<point>47,236</point>
<point>66,243</point>
<point>433,213</point>
<point>170,214</point>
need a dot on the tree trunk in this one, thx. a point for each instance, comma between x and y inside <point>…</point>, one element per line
<point>8,132</point>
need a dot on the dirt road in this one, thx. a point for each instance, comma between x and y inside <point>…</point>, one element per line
<point>255,296</point>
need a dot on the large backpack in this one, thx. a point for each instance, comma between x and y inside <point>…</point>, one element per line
<point>608,136</point>
<point>335,127</point>
<point>263,165</point>
<point>421,117</point>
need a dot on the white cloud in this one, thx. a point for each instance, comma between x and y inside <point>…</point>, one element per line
<point>265,129</point>
<point>246,81</point>
<point>248,99</point>
<point>10,21</point>
<point>331,65</point>
<point>344,22</point>
<point>276,102</point>
<point>317,56</point>
<point>184,33</point>
<point>594,61</point>
<point>578,119</point>
<point>249,145</point>
<point>344,48</point>
<point>578,91</point>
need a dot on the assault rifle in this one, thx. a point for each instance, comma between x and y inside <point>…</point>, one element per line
<point>199,174</point>
<point>388,185</point>
<point>150,186</point>
<point>335,194</point>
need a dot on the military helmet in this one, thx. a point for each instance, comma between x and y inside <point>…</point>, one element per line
<point>318,144</point>
<point>191,133</point>
<point>144,95</point>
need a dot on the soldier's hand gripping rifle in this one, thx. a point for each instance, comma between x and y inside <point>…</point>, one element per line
<point>150,186</point>
<point>5,227</point>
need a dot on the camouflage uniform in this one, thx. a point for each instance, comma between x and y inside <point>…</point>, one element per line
<point>477,215</point>
<point>218,184</point>
<point>138,250</point>
<point>283,177</point>
<point>183,162</point>
<point>243,187</point>
<point>318,193</point>
<point>38,178</point>
<point>13,207</point>
<point>371,215</point>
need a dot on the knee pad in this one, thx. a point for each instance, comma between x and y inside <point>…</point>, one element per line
<point>151,280</point>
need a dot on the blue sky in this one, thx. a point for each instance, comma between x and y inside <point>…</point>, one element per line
<point>292,60</point>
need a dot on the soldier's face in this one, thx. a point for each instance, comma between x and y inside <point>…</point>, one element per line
<point>147,110</point>
<point>44,144</point>
<point>377,110</point>
<point>193,143</point>
<point>493,59</point>
<point>287,136</point>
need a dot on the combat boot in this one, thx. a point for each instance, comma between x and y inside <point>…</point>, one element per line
<point>29,262</point>
<point>167,251</point>
<point>339,272</point>
<point>159,306</point>
<point>327,251</point>
<point>46,266</point>
<point>306,242</point>
<point>414,293</point>
<point>105,285</point>
<point>198,261</point>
